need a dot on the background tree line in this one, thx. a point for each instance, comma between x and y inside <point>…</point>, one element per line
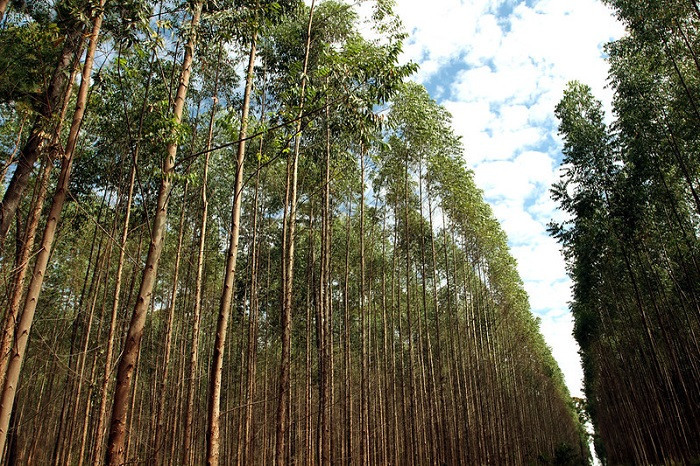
<point>631,190</point>
<point>233,232</point>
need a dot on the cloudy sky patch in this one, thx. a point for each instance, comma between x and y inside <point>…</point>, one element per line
<point>500,67</point>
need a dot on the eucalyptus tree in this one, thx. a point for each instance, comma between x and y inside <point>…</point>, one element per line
<point>25,323</point>
<point>37,44</point>
<point>632,239</point>
<point>411,337</point>
<point>260,12</point>
<point>628,236</point>
<point>116,453</point>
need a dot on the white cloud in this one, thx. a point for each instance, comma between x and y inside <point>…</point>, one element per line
<point>541,261</point>
<point>442,30</point>
<point>507,76</point>
<point>557,332</point>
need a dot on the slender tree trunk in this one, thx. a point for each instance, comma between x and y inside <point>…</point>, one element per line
<point>165,372</point>
<point>252,331</point>
<point>199,283</point>
<point>83,352</point>
<point>116,444</point>
<point>347,390</point>
<point>288,268</point>
<point>445,441</point>
<point>324,305</point>
<point>364,376</point>
<point>109,352</point>
<point>214,410</point>
<point>388,456</point>
<point>34,290</point>
<point>93,381</point>
<point>22,264</point>
<point>311,456</point>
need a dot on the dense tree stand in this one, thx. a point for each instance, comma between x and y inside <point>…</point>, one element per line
<point>264,246</point>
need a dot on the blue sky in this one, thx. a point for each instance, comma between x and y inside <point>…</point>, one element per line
<point>500,67</point>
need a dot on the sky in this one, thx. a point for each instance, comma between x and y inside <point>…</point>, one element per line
<point>500,67</point>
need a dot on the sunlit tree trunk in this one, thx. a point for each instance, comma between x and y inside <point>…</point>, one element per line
<point>116,451</point>
<point>25,323</point>
<point>213,428</point>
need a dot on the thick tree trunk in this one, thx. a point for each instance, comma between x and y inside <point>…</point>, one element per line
<point>116,452</point>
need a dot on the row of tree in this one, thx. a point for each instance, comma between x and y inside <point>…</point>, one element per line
<point>231,252</point>
<point>632,191</point>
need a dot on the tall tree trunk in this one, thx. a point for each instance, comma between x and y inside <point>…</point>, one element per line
<point>347,355</point>
<point>249,451</point>
<point>165,369</point>
<point>214,406</point>
<point>251,357</point>
<point>288,266</point>
<point>109,352</point>
<point>25,324</point>
<point>116,453</point>
<point>324,306</point>
<point>364,376</point>
<point>199,281</point>
<point>22,263</point>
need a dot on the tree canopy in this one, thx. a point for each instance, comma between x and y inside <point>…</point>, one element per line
<point>236,232</point>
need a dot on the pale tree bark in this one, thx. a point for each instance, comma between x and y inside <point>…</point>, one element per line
<point>34,290</point>
<point>165,366</point>
<point>249,450</point>
<point>116,452</point>
<point>214,409</point>
<point>289,224</point>
<point>22,262</point>
<point>199,280</point>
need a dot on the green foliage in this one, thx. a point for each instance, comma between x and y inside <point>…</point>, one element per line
<point>631,243</point>
<point>29,54</point>
<point>440,286</point>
